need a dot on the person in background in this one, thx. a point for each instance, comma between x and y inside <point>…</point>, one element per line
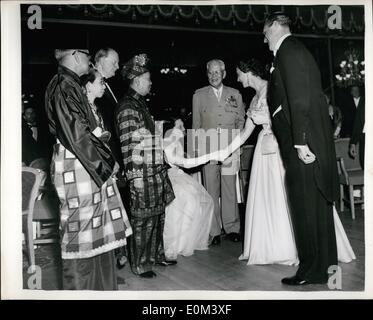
<point>36,144</point>
<point>31,148</point>
<point>349,108</point>
<point>358,133</point>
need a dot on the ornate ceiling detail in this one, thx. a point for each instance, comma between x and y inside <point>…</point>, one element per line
<point>306,19</point>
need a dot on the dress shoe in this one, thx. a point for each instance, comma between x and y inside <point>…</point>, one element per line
<point>215,241</point>
<point>233,236</point>
<point>121,262</point>
<point>148,274</point>
<point>167,263</point>
<point>294,281</point>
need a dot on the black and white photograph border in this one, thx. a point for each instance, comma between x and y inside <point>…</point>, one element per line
<point>216,273</point>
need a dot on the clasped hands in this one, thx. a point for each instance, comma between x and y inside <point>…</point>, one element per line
<point>352,150</point>
<point>103,135</point>
<point>220,155</point>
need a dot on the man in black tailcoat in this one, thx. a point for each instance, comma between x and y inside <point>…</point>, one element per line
<point>358,132</point>
<point>36,142</point>
<point>349,107</point>
<point>107,63</point>
<point>301,123</point>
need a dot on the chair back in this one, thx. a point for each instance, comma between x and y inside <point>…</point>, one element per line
<point>342,151</point>
<point>31,183</point>
<point>40,163</point>
<point>31,180</point>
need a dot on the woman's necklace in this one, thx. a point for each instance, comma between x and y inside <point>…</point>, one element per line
<point>99,120</point>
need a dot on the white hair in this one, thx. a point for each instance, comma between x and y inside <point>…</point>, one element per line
<point>218,62</point>
<point>60,54</point>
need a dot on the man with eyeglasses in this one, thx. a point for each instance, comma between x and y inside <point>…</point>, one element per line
<point>93,219</point>
<point>300,121</point>
<point>218,111</point>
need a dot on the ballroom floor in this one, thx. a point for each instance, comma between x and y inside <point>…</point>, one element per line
<point>217,269</point>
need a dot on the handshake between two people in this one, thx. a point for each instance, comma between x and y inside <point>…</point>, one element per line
<point>223,155</point>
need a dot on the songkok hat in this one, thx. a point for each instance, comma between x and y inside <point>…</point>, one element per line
<point>135,67</point>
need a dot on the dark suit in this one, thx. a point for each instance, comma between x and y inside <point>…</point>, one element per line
<point>358,136</point>
<point>106,106</point>
<point>295,85</point>
<point>35,149</point>
<point>349,110</point>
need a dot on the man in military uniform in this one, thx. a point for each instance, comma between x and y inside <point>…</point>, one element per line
<point>219,113</point>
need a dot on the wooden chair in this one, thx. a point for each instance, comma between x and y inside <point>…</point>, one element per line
<point>350,174</point>
<point>247,152</point>
<point>37,206</point>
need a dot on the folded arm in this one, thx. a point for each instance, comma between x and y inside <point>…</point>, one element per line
<point>76,135</point>
<point>174,158</point>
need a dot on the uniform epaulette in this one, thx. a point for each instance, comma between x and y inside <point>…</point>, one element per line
<point>202,89</point>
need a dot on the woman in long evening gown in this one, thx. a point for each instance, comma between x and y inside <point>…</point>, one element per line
<point>189,215</point>
<point>269,236</point>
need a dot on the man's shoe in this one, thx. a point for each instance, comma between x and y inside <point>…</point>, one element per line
<point>294,281</point>
<point>215,241</point>
<point>233,236</point>
<point>148,274</point>
<point>167,263</point>
<point>121,262</point>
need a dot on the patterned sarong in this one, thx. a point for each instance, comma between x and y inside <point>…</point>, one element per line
<point>146,244</point>
<point>93,220</point>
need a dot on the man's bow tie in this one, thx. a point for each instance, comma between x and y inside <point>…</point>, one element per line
<point>272,68</point>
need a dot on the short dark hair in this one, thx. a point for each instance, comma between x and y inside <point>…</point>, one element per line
<point>104,52</point>
<point>89,77</point>
<point>26,106</point>
<point>252,65</point>
<point>281,17</point>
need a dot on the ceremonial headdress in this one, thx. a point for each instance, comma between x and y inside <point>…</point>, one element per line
<point>135,67</point>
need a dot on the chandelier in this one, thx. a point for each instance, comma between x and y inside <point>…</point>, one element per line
<point>174,70</point>
<point>352,70</point>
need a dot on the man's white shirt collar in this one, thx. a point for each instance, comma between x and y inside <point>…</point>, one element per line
<point>356,100</point>
<point>218,92</point>
<point>279,42</point>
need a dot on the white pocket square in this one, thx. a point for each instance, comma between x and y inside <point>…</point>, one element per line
<point>277,110</point>
<point>271,70</point>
